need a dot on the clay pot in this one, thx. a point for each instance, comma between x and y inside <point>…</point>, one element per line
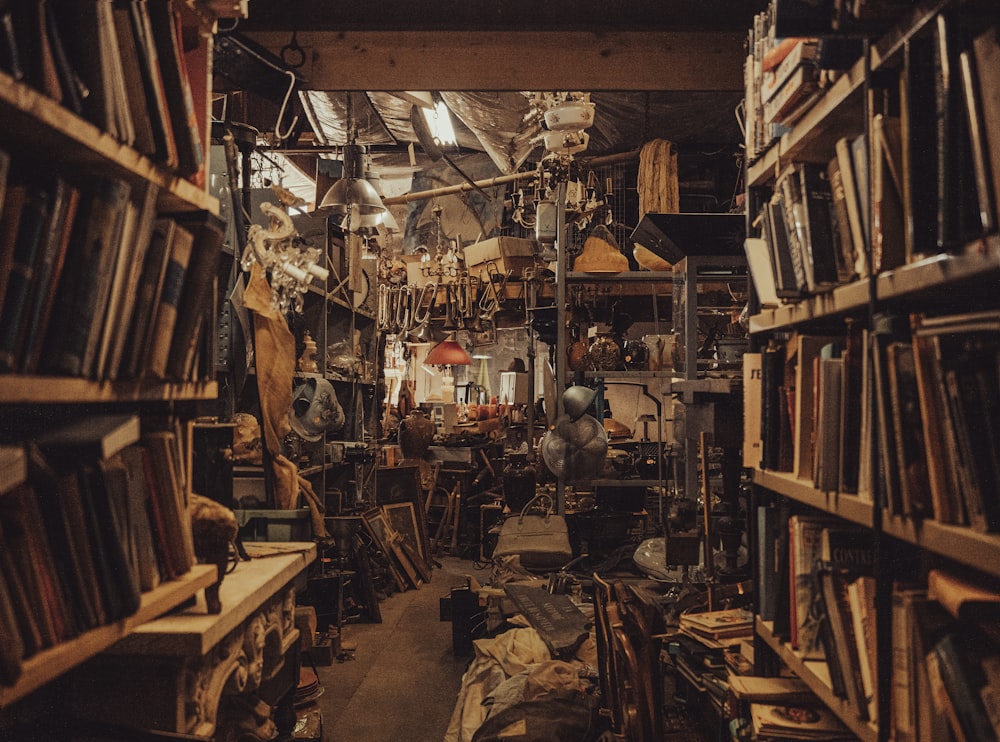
<point>415,435</point>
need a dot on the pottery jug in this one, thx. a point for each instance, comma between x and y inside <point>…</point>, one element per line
<point>415,435</point>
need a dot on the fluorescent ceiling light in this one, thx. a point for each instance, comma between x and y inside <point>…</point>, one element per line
<point>439,122</point>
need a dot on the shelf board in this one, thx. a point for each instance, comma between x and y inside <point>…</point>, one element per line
<point>960,543</point>
<point>706,386</point>
<point>628,375</point>
<point>19,389</point>
<point>979,259</point>
<point>50,133</point>
<point>816,675</point>
<point>53,662</point>
<point>846,506</point>
<point>625,276</point>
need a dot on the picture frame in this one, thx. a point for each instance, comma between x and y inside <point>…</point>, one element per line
<point>403,519</point>
<point>380,532</point>
<point>402,484</point>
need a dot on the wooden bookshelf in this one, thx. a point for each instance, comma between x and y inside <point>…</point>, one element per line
<point>53,662</point>
<point>847,506</point>
<point>19,389</point>
<point>50,133</point>
<point>960,543</point>
<point>816,675</point>
<point>979,259</point>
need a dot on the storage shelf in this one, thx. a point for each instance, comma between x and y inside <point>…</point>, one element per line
<point>19,389</point>
<point>51,134</point>
<point>979,259</point>
<point>813,137</point>
<point>49,664</point>
<point>816,675</point>
<point>960,543</point>
<point>846,506</point>
<point>628,375</point>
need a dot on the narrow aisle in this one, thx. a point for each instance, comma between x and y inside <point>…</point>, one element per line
<point>404,679</point>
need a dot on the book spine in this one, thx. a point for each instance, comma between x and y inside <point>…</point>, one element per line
<point>817,201</point>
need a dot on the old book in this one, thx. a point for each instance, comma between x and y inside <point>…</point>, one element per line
<point>47,274</point>
<point>31,25</point>
<point>132,78</point>
<point>115,477</point>
<point>97,436</point>
<point>164,532</point>
<point>752,403</point>
<point>11,646</point>
<point>986,49</point>
<point>852,406</point>
<point>861,596</point>
<point>885,329</point>
<point>780,721</point>
<point>767,561</point>
<point>93,249</point>
<point>978,142</point>
<point>27,245</point>
<point>151,280</point>
<point>126,307</point>
<point>807,348</point>
<point>910,451</point>
<point>828,406</point>
<point>903,723</point>
<point>165,146</point>
<point>842,234</point>
<point>65,506</point>
<point>888,222</point>
<point>64,539</point>
<point>161,336</point>
<point>852,204</point>
<point>721,624</point>
<point>772,381</point>
<point>794,214</point>
<point>771,690</point>
<point>919,140</point>
<point>833,584</point>
<point>939,438</point>
<point>860,160</point>
<point>820,254</point>
<point>147,566</point>
<point>795,95</point>
<point>13,467</point>
<point>761,268</point>
<point>24,532</point>
<point>209,234</point>
<point>17,196</point>
<point>166,466</point>
<point>89,48</point>
<point>930,623</point>
<point>22,605</point>
<point>802,52</point>
<point>964,597</point>
<point>164,21</point>
<point>954,663</point>
<point>804,544</point>
<point>787,280</point>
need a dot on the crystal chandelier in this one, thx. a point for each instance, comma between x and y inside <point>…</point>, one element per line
<point>289,264</point>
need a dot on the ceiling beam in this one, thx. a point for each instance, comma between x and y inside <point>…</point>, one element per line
<point>502,15</point>
<point>526,60</point>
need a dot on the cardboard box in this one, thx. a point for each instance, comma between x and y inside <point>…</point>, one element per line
<point>513,388</point>
<point>507,253</point>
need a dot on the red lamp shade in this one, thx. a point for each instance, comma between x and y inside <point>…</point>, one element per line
<point>448,353</point>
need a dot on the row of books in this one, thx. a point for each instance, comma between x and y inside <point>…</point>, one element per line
<point>98,518</point>
<point>119,64</point>
<point>96,283</point>
<point>946,659</point>
<point>932,407</point>
<point>910,185</point>
<point>816,584</point>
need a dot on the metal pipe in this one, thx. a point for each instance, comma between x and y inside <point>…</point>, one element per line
<point>457,188</point>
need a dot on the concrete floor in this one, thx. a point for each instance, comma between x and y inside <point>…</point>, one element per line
<point>403,680</point>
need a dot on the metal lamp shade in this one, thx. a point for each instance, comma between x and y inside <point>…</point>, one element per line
<point>359,195</point>
<point>448,353</point>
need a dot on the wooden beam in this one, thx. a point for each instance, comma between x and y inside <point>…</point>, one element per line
<point>529,60</point>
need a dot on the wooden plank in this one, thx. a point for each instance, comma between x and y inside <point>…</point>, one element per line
<point>193,631</point>
<point>425,60</point>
